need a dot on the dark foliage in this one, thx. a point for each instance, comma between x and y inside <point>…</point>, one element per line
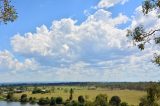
<point>7,12</point>
<point>23,98</point>
<point>44,101</point>
<point>59,100</point>
<point>115,101</point>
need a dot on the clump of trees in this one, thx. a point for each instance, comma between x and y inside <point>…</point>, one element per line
<point>101,100</point>
<point>53,101</point>
<point>32,100</point>
<point>10,97</point>
<point>115,101</point>
<point>59,100</point>
<point>44,101</point>
<point>23,98</point>
<point>81,100</point>
<point>38,90</point>
<point>124,104</point>
<point>152,97</point>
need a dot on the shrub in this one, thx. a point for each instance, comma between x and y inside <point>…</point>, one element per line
<point>81,100</point>
<point>74,103</point>
<point>59,100</point>
<point>89,103</point>
<point>44,101</point>
<point>124,104</point>
<point>115,101</point>
<point>23,98</point>
<point>53,101</point>
<point>9,96</point>
<point>101,100</point>
<point>71,103</point>
<point>32,100</point>
<point>36,90</point>
<point>67,103</point>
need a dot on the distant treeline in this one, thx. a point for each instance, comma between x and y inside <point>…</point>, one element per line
<point>110,85</point>
<point>125,85</point>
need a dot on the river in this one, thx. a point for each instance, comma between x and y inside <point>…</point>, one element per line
<point>4,103</point>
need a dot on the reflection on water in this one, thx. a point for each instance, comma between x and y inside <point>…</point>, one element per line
<point>3,103</point>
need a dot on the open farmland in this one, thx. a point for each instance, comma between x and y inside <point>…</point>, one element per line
<point>130,96</point>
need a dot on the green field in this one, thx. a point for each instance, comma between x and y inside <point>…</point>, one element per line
<point>130,96</point>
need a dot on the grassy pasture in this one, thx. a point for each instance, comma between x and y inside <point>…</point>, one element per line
<point>130,96</point>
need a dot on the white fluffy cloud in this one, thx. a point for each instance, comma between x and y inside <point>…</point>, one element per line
<point>149,21</point>
<point>109,3</point>
<point>65,41</point>
<point>95,50</point>
<point>9,62</point>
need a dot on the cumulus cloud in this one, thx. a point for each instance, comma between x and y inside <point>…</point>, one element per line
<point>65,41</point>
<point>135,67</point>
<point>109,3</point>
<point>148,21</point>
<point>95,50</point>
<point>9,62</point>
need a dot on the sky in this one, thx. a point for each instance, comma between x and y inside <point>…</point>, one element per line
<point>76,40</point>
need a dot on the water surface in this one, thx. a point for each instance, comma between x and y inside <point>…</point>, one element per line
<point>4,103</point>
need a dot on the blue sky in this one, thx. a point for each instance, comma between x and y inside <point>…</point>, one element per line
<point>74,40</point>
<point>36,13</point>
